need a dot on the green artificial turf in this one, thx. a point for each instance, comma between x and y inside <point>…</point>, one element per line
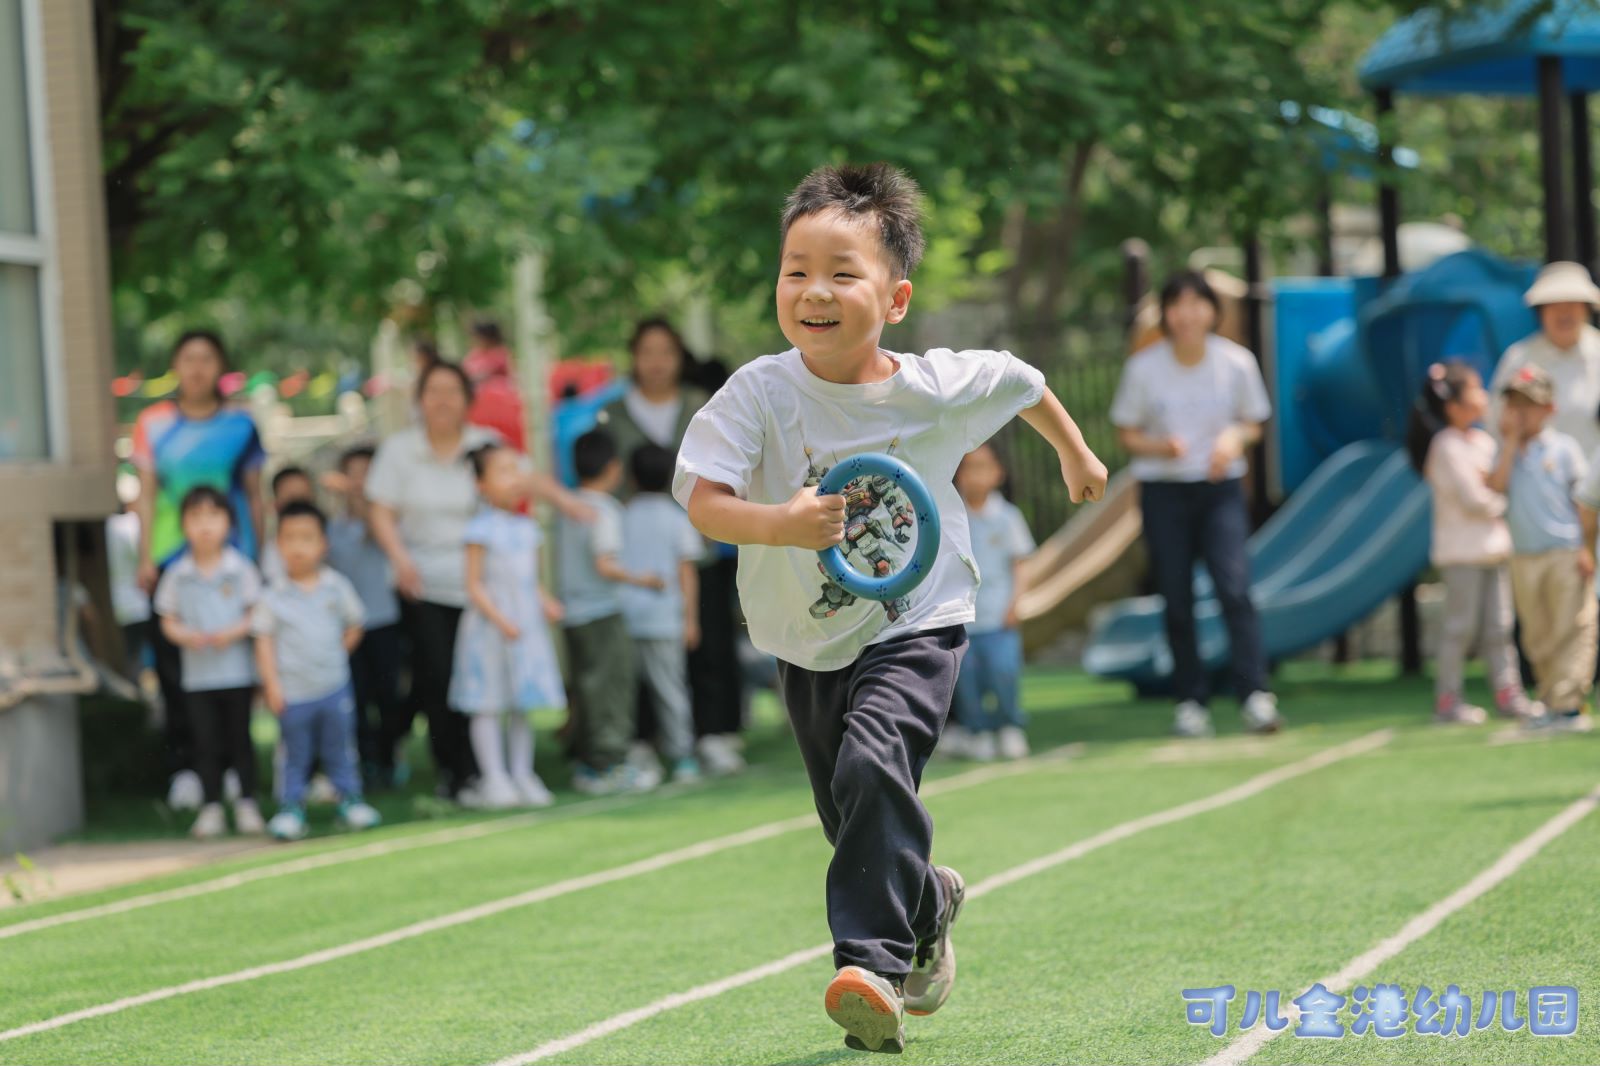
<point>1083,961</point>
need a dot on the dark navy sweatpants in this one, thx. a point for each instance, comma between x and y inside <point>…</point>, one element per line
<point>1188,522</point>
<point>865,733</point>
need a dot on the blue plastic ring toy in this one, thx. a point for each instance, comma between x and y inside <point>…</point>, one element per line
<point>893,585</point>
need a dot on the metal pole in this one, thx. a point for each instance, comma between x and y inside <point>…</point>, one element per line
<point>1388,195</point>
<point>1255,334</point>
<point>1135,278</point>
<point>1557,214</point>
<point>1583,179</point>
<point>1389,222</point>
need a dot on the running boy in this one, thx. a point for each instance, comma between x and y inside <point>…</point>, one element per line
<point>867,686</point>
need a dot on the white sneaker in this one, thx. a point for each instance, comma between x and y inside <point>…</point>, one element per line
<point>1013,743</point>
<point>686,771</point>
<point>587,782</point>
<point>185,793</point>
<point>637,778</point>
<point>983,748</point>
<point>1260,713</point>
<point>1192,720</point>
<point>719,755</point>
<point>955,742</point>
<point>211,823</point>
<point>532,791</point>
<point>321,790</point>
<point>489,796</point>
<point>247,820</point>
<point>359,815</point>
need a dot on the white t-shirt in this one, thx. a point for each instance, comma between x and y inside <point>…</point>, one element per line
<point>775,427</point>
<point>433,500</point>
<point>1000,536</point>
<point>1161,397</point>
<point>658,421</point>
<point>128,600</point>
<point>656,538</point>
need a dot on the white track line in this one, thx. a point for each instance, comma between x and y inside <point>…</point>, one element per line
<point>522,899</point>
<point>1254,786</point>
<point>1420,926</point>
<point>324,859</point>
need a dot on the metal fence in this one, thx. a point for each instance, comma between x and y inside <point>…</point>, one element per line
<point>1084,373</point>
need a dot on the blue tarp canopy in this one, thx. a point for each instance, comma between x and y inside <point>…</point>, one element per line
<point>1492,51</point>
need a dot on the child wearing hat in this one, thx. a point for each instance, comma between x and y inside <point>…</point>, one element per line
<point>1566,346</point>
<point>1541,469</point>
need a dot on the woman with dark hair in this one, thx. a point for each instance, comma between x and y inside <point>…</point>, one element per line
<point>192,440</point>
<point>658,405</point>
<point>1186,409</point>
<point>656,409</point>
<point>422,493</point>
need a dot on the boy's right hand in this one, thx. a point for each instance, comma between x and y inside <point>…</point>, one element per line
<point>1175,448</point>
<point>811,521</point>
<point>273,695</point>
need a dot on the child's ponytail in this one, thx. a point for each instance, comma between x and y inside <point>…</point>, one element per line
<point>1444,384</point>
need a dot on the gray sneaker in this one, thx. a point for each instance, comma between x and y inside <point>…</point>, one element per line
<point>933,968</point>
<point>869,1009</point>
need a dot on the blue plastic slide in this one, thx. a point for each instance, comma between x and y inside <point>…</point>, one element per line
<point>1355,533</point>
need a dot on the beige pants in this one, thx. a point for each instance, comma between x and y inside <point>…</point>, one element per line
<point>1559,615</point>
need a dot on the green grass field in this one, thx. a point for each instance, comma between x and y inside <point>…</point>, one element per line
<point>602,908</point>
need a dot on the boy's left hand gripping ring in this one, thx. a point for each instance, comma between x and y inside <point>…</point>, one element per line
<point>896,583</point>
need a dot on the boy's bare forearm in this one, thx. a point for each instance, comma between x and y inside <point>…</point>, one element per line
<point>719,514</point>
<point>1050,420</point>
<point>1589,522</point>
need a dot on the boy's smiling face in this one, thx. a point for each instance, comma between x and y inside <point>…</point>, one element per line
<point>836,291</point>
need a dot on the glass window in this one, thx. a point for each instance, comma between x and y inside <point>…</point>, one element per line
<point>24,430</point>
<point>16,183</point>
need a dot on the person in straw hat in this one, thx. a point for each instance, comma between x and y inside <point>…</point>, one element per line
<point>1567,347</point>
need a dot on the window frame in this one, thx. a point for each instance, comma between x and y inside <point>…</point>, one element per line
<point>41,249</point>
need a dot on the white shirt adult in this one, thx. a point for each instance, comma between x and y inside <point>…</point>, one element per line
<point>433,497</point>
<point>1576,374</point>
<point>1161,397</point>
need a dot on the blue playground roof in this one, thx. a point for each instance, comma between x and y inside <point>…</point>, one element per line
<point>1492,51</point>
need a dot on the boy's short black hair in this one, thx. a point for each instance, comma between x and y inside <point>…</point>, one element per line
<point>303,509</point>
<point>592,453</point>
<point>205,496</point>
<point>652,466</point>
<point>876,189</point>
<point>360,451</point>
<point>285,474</point>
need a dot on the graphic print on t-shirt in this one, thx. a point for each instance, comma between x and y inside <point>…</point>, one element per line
<point>877,517</point>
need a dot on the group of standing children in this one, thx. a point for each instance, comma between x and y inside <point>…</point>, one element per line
<point>1514,527</point>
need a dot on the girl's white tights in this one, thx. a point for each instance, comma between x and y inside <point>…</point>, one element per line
<point>502,760</point>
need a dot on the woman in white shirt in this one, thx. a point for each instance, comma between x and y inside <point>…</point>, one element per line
<point>1186,409</point>
<point>1566,346</point>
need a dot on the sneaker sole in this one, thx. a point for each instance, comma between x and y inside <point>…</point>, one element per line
<point>870,1021</point>
<point>960,891</point>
